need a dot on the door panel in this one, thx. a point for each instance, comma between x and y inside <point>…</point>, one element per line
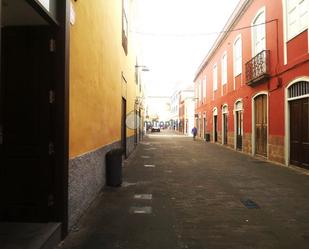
<point>239,130</point>
<point>299,134</point>
<point>225,128</point>
<point>216,128</point>
<point>260,104</point>
<point>26,166</point>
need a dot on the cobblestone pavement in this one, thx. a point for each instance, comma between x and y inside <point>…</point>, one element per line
<point>179,193</point>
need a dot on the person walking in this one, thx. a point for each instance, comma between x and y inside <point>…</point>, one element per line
<point>194,132</point>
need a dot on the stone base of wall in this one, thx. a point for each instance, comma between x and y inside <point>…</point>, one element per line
<point>276,149</point>
<point>86,179</point>
<point>130,145</point>
<point>220,137</point>
<point>275,143</point>
<point>246,143</point>
<point>230,139</point>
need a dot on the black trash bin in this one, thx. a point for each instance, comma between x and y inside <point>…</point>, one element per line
<point>114,168</point>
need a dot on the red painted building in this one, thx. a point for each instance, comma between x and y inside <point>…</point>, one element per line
<point>252,88</point>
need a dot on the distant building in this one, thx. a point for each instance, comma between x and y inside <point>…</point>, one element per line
<point>252,88</point>
<point>175,98</point>
<point>186,110</point>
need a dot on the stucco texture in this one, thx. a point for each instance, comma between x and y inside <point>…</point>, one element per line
<point>97,63</point>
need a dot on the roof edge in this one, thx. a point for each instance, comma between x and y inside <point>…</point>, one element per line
<point>233,19</point>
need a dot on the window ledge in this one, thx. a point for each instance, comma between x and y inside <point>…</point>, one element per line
<point>294,36</point>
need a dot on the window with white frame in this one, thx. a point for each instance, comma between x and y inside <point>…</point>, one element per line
<point>204,87</point>
<point>200,91</point>
<point>237,56</point>
<point>297,17</point>
<point>215,77</point>
<point>258,33</point>
<point>196,93</point>
<point>125,25</point>
<point>224,69</point>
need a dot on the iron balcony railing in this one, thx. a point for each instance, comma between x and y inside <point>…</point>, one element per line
<point>257,69</point>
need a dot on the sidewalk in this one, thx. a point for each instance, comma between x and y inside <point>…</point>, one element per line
<point>178,193</point>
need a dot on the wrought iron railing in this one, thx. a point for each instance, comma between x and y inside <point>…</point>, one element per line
<point>257,69</point>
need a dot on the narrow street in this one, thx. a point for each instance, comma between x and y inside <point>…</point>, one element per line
<point>179,193</point>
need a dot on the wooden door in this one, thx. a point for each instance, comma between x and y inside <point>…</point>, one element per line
<point>27,152</point>
<point>299,132</point>
<point>216,128</point>
<point>239,130</point>
<point>260,104</point>
<point>225,128</point>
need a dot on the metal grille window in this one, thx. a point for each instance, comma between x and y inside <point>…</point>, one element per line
<point>299,89</point>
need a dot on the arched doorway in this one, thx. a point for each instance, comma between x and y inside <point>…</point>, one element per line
<point>260,124</point>
<point>215,125</point>
<point>224,124</point>
<point>238,124</point>
<point>298,118</point>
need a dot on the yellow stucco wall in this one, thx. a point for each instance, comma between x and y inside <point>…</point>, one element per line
<point>97,61</point>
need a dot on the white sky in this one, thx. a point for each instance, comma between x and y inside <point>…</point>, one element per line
<point>174,60</point>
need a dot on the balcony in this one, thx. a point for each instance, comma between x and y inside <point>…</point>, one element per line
<point>257,69</point>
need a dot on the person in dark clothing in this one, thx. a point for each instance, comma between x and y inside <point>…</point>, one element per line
<point>194,132</point>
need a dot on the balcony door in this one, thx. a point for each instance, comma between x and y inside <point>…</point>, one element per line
<point>258,33</point>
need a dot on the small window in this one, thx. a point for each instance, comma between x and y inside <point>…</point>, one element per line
<point>215,77</point>
<point>237,57</point>
<point>258,33</point>
<point>238,106</point>
<point>224,69</point>
<point>200,91</point>
<point>297,17</point>
<point>299,89</point>
<point>196,93</point>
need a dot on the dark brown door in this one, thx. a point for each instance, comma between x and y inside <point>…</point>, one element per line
<point>216,128</point>
<point>239,130</point>
<point>260,103</point>
<point>27,151</point>
<point>224,128</point>
<point>123,126</point>
<point>299,132</point>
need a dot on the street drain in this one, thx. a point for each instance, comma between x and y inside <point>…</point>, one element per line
<point>149,166</point>
<point>143,196</point>
<point>248,203</point>
<point>141,210</point>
